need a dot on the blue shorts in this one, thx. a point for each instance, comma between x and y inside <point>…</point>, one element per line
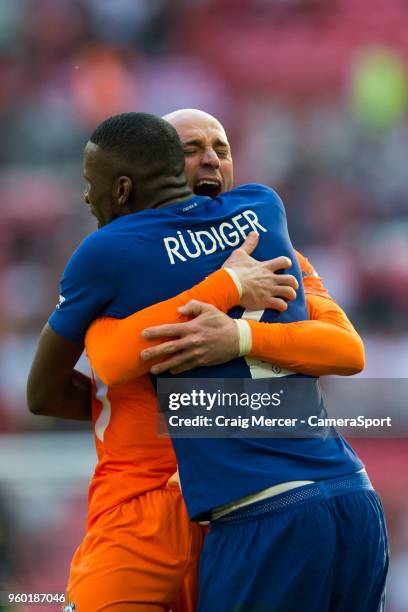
<point>320,548</point>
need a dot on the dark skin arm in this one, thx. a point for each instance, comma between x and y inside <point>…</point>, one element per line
<point>54,388</point>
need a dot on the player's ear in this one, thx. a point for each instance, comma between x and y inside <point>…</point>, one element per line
<point>124,188</point>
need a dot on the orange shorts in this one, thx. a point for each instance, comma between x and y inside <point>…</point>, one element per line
<point>141,556</point>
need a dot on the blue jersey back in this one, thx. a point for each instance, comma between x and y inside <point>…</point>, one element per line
<point>141,259</point>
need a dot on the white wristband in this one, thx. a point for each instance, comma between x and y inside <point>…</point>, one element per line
<point>235,278</point>
<point>245,336</point>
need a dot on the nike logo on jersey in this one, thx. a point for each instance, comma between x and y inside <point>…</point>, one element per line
<point>189,245</point>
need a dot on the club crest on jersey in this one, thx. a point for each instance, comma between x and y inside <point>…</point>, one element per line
<point>191,244</point>
<point>70,607</point>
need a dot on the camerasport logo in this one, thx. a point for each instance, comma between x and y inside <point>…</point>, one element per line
<point>70,607</point>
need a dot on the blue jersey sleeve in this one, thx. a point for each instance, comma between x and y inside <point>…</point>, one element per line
<point>87,286</point>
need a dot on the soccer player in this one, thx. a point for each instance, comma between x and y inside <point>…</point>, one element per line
<point>103,556</point>
<point>333,520</point>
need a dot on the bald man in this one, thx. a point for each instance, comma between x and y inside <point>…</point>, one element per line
<point>209,171</point>
<point>208,160</point>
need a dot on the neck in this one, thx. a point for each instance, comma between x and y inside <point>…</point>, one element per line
<point>159,194</point>
<point>168,196</point>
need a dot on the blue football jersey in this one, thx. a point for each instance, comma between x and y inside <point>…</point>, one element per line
<point>140,259</point>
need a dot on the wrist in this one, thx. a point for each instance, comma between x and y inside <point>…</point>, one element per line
<point>236,280</point>
<point>244,337</point>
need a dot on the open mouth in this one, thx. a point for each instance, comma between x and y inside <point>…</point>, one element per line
<point>208,187</point>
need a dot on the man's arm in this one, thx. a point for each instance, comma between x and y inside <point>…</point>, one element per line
<point>54,388</point>
<point>114,346</point>
<point>326,344</point>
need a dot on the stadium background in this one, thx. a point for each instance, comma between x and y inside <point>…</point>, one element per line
<point>314,97</point>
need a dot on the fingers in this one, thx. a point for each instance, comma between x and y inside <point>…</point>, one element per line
<point>177,330</point>
<point>277,304</point>
<point>177,361</point>
<point>187,365</point>
<point>163,350</point>
<point>285,292</point>
<point>250,243</point>
<point>278,263</point>
<point>194,308</point>
<point>287,279</point>
<point>170,330</point>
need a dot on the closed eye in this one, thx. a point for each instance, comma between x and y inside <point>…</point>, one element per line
<point>222,152</point>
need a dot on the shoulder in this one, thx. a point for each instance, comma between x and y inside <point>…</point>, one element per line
<point>99,251</point>
<point>96,244</point>
<point>258,192</point>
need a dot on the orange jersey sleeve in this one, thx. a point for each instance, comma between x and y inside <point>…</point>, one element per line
<point>113,346</point>
<point>312,282</point>
<point>326,344</point>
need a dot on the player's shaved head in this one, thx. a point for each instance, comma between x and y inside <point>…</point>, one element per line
<point>208,162</point>
<point>190,116</point>
<point>133,161</point>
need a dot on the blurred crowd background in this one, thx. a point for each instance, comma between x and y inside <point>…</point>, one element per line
<point>314,97</point>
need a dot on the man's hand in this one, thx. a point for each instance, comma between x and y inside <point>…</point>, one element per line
<point>195,343</point>
<point>261,286</point>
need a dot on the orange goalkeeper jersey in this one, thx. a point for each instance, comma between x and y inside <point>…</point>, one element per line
<point>132,459</point>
